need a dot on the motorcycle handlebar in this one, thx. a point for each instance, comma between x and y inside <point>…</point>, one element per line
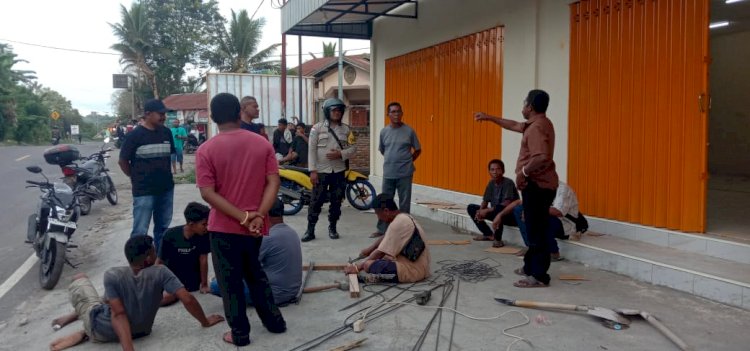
<point>36,183</point>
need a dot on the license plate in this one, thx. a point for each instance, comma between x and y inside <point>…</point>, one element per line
<point>71,225</point>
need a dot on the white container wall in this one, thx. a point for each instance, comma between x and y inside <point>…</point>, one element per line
<point>267,90</point>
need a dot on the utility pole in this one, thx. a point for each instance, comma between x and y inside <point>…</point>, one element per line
<point>341,69</point>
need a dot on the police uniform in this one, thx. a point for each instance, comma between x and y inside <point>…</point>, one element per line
<point>331,173</point>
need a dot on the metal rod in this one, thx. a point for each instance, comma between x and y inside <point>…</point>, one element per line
<point>365,299</point>
<point>455,309</point>
<point>299,76</point>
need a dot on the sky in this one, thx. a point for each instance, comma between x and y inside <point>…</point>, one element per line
<point>85,76</point>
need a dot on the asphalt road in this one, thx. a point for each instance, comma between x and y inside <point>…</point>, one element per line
<point>16,203</point>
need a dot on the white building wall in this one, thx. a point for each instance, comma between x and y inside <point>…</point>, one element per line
<point>535,49</point>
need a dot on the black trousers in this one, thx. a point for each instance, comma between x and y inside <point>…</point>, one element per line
<point>508,219</point>
<point>235,259</point>
<point>536,204</point>
<point>331,186</point>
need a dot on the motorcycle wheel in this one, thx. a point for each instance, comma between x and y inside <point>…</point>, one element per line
<point>292,206</point>
<point>360,194</point>
<point>51,264</point>
<point>85,204</point>
<point>112,194</point>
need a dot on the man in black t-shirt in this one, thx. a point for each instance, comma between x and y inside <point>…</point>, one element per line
<point>499,200</point>
<point>297,155</point>
<point>184,250</point>
<point>145,157</point>
<point>280,141</point>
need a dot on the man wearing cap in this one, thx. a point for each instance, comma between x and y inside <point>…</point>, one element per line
<point>145,157</point>
<point>385,260</point>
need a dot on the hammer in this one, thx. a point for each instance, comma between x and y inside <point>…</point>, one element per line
<point>336,284</point>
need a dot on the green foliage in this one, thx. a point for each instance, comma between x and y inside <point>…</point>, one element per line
<point>32,130</point>
<point>238,47</point>
<point>329,49</point>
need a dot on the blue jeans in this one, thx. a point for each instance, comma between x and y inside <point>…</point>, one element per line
<point>403,187</point>
<point>158,206</point>
<point>555,226</point>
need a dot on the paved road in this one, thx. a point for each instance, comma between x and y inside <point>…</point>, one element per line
<point>16,205</point>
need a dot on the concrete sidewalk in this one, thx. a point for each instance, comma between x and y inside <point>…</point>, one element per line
<point>703,324</point>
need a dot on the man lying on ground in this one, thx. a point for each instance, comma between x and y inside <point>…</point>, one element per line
<point>397,256</point>
<point>131,299</point>
<point>281,259</point>
<point>184,250</point>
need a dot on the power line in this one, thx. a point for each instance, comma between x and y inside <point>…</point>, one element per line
<point>58,48</point>
<point>256,10</point>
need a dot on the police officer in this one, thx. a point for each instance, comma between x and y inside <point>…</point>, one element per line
<point>331,145</point>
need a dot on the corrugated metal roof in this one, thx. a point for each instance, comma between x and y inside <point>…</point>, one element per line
<point>314,67</point>
<point>338,18</point>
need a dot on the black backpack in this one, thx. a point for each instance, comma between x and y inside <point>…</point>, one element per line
<point>582,225</point>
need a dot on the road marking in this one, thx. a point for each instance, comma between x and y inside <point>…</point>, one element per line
<point>17,275</point>
<point>23,158</point>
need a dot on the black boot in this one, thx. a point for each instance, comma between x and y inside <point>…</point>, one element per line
<point>332,233</point>
<point>310,233</point>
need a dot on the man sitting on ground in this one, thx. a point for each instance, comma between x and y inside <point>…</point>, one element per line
<point>131,299</point>
<point>184,250</point>
<point>501,195</point>
<point>385,261</point>
<point>281,259</point>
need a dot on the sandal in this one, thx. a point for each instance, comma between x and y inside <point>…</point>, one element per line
<point>498,243</point>
<point>482,238</point>
<point>376,235</point>
<point>530,282</point>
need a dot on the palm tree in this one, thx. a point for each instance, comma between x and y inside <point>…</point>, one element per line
<point>9,79</point>
<point>237,47</point>
<point>135,44</point>
<point>329,49</point>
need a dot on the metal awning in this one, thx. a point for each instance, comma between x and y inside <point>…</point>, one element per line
<point>350,19</point>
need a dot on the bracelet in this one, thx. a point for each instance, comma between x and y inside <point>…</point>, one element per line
<point>247,215</point>
<point>523,170</point>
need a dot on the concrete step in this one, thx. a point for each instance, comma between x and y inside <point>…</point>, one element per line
<point>700,274</point>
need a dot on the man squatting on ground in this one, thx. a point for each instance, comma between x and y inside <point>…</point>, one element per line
<point>400,147</point>
<point>184,250</point>
<point>537,179</point>
<point>502,196</point>
<point>145,157</point>
<point>329,148</point>
<point>132,296</point>
<point>385,261</point>
<point>281,258</point>
<point>238,176</point>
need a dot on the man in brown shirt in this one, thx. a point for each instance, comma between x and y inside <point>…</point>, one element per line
<point>537,179</point>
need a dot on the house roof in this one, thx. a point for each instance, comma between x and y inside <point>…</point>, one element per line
<point>181,102</point>
<point>318,66</point>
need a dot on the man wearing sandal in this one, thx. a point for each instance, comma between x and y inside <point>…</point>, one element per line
<point>501,196</point>
<point>537,179</point>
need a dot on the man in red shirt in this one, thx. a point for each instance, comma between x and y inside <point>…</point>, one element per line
<point>238,176</point>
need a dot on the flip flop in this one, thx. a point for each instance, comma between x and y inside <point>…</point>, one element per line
<point>530,282</point>
<point>498,243</point>
<point>376,235</point>
<point>482,238</point>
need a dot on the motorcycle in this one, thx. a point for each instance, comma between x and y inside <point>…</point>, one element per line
<point>50,228</point>
<point>191,145</point>
<point>91,179</point>
<point>296,189</point>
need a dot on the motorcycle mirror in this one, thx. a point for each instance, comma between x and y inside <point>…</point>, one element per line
<point>34,169</point>
<point>106,140</point>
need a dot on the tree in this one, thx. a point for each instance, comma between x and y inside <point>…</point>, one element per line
<point>329,49</point>
<point>135,44</point>
<point>10,80</point>
<point>237,49</point>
